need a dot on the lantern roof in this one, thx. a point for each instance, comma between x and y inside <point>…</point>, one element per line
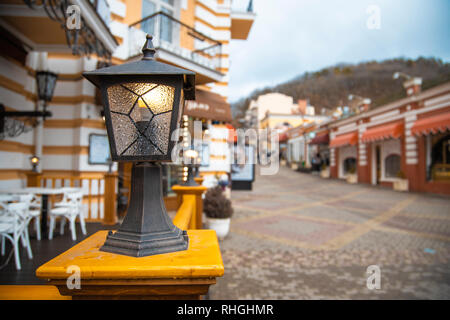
<point>145,67</point>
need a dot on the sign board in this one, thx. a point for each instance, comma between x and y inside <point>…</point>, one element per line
<point>243,171</point>
<point>98,149</point>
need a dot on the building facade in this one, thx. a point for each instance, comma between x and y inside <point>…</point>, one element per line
<point>405,140</point>
<point>192,34</point>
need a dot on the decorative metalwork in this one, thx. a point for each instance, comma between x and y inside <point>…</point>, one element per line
<point>82,41</point>
<point>169,33</point>
<point>11,127</point>
<point>250,6</point>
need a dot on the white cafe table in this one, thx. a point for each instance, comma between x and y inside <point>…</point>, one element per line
<point>44,193</point>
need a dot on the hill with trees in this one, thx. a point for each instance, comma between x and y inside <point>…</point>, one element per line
<point>329,88</point>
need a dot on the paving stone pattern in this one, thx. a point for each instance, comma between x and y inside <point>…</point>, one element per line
<point>298,236</point>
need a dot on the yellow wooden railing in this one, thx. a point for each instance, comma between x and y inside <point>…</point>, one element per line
<point>100,193</point>
<point>93,187</point>
<point>183,218</point>
<point>188,216</point>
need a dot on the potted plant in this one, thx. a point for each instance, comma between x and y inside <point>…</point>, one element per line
<point>352,176</point>
<point>401,184</point>
<point>218,211</point>
<point>325,171</point>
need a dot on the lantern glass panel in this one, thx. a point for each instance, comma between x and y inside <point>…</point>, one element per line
<point>46,82</point>
<point>141,118</point>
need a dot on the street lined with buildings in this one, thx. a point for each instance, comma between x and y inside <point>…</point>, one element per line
<point>299,236</point>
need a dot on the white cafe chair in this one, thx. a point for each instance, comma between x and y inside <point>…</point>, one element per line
<point>34,210</point>
<point>70,211</point>
<point>65,200</point>
<point>13,226</point>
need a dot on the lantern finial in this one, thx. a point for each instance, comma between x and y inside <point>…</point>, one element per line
<point>148,49</point>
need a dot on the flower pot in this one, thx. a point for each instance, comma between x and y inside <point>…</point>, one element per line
<point>401,185</point>
<point>352,178</point>
<point>325,173</point>
<point>227,193</point>
<point>221,226</point>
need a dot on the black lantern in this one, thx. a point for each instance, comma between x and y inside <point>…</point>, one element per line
<point>46,83</point>
<point>34,163</point>
<point>143,103</point>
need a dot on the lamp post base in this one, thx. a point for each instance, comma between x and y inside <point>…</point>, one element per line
<point>141,245</point>
<point>147,229</point>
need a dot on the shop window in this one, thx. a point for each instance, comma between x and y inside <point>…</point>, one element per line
<point>350,165</point>
<point>440,157</point>
<point>392,166</point>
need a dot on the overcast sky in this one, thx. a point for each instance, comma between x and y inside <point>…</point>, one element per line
<point>290,37</point>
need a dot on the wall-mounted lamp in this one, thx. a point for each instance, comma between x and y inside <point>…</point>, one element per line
<point>34,163</point>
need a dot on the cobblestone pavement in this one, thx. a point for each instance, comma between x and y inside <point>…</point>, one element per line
<point>297,236</point>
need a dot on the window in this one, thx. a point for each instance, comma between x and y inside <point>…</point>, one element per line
<point>440,157</point>
<point>392,166</point>
<point>350,166</point>
<point>150,26</point>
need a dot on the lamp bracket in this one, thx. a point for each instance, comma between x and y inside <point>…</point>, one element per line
<point>10,127</point>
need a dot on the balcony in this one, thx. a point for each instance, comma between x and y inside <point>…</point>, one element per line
<point>42,26</point>
<point>178,44</point>
<point>242,17</point>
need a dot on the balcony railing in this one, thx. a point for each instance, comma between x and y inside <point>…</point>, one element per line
<point>102,8</point>
<point>177,38</point>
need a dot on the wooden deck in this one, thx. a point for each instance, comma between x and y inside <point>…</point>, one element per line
<point>43,251</point>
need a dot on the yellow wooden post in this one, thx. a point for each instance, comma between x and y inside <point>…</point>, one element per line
<point>33,179</point>
<point>183,274</point>
<point>199,180</point>
<point>197,191</point>
<point>110,199</point>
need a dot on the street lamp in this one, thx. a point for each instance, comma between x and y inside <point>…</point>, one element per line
<point>197,167</point>
<point>190,158</point>
<point>9,126</point>
<point>362,103</point>
<point>143,103</point>
<point>399,74</point>
<point>34,163</point>
<point>46,83</point>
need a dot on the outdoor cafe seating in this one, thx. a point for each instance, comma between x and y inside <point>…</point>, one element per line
<point>18,207</point>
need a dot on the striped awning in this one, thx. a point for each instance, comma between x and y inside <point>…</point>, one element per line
<point>282,137</point>
<point>321,139</point>
<point>434,124</point>
<point>344,139</point>
<point>387,131</point>
<point>232,135</point>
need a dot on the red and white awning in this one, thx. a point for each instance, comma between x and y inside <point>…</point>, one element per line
<point>321,139</point>
<point>387,131</point>
<point>433,124</point>
<point>344,139</point>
